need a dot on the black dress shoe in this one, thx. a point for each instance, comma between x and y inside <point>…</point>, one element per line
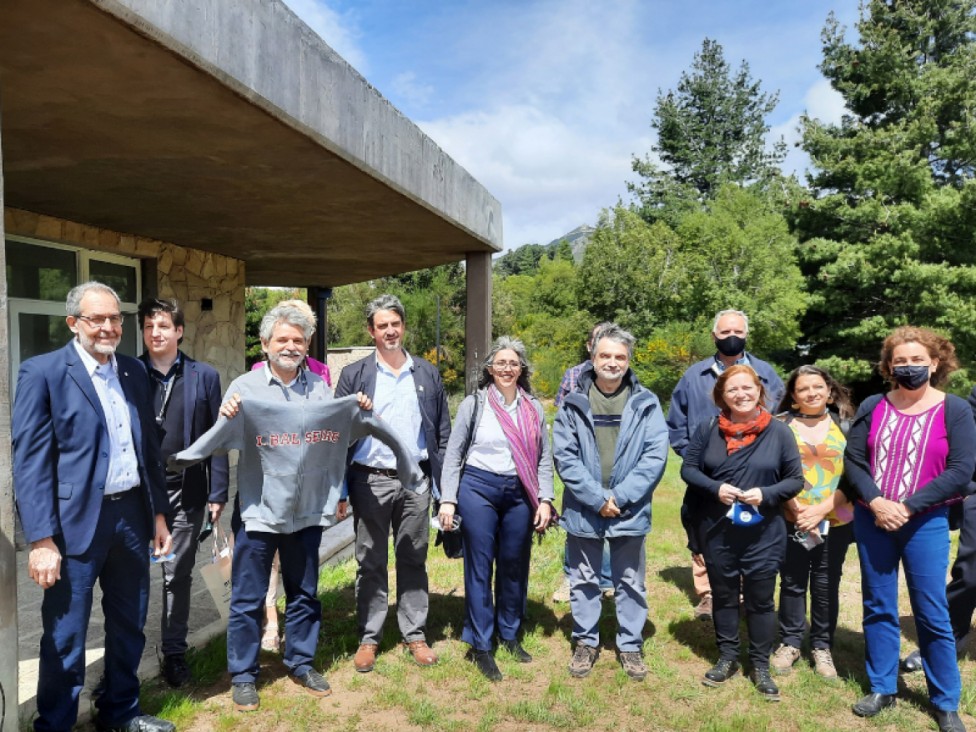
<point>485,663</point>
<point>145,723</point>
<point>912,662</point>
<point>872,704</point>
<point>764,684</point>
<point>515,648</point>
<point>175,670</point>
<point>721,672</point>
<point>949,721</point>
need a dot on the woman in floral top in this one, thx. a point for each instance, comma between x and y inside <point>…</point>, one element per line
<point>815,407</point>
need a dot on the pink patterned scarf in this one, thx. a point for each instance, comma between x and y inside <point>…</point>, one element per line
<point>523,438</point>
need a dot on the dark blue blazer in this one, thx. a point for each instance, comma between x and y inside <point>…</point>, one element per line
<point>207,480</point>
<point>61,447</point>
<point>434,413</point>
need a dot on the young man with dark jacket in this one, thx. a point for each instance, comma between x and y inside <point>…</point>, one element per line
<point>186,403</point>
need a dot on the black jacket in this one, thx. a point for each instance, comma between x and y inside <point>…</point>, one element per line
<point>206,481</point>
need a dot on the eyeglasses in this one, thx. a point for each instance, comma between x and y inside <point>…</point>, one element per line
<point>506,365</point>
<point>98,320</point>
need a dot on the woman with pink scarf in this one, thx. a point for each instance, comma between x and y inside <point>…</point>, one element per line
<point>497,480</point>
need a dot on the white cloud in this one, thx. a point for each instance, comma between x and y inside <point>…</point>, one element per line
<point>549,175</point>
<point>821,102</point>
<point>824,102</point>
<point>337,30</point>
<point>406,87</point>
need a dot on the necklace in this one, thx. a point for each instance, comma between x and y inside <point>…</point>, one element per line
<point>818,415</point>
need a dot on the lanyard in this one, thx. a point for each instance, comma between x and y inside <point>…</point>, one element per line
<point>167,393</point>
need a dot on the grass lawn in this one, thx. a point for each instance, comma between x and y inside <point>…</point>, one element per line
<point>400,696</point>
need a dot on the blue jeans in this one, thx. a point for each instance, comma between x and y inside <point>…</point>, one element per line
<point>627,574</point>
<point>253,555</point>
<point>497,529</point>
<point>922,547</point>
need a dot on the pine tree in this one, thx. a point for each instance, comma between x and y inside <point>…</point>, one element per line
<point>889,234</point>
<point>711,130</point>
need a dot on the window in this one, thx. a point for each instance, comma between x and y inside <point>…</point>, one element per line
<point>39,276</point>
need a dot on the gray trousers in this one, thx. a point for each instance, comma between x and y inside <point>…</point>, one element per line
<point>178,578</point>
<point>627,574</point>
<point>380,504</point>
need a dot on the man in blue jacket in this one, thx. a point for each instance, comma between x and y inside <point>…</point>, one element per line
<point>407,394</point>
<point>92,500</point>
<point>692,406</point>
<point>610,445</point>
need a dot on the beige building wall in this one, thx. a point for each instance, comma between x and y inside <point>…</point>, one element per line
<point>190,275</point>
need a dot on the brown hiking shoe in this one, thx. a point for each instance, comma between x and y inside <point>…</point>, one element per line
<point>583,659</point>
<point>633,664</point>
<point>783,659</point>
<point>703,611</point>
<point>823,663</point>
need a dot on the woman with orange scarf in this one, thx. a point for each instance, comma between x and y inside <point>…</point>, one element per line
<point>745,465</point>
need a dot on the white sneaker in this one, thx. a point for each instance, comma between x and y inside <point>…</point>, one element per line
<point>270,640</point>
<point>561,595</point>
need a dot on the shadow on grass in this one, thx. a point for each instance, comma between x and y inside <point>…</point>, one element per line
<point>681,578</point>
<point>697,636</point>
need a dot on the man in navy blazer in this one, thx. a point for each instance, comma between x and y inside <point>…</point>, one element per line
<point>186,402</point>
<point>407,393</point>
<point>91,494</point>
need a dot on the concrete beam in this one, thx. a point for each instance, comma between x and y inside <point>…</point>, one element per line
<point>228,127</point>
<point>477,321</point>
<point>8,556</point>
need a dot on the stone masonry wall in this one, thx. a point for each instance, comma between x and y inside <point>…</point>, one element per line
<point>190,275</point>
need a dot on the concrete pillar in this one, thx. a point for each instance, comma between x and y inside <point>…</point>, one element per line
<point>477,322</point>
<point>8,556</point>
<point>318,300</point>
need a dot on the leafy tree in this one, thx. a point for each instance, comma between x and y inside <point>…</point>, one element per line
<point>711,130</point>
<point>736,252</point>
<point>889,235</point>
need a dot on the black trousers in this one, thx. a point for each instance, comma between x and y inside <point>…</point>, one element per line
<point>819,570</point>
<point>750,558</point>
<point>961,590</point>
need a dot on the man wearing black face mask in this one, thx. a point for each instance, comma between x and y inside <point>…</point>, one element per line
<point>692,406</point>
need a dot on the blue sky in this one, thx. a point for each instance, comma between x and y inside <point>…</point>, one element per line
<point>546,102</point>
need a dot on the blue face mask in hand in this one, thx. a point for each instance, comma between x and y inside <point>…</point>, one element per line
<point>744,515</point>
<point>911,377</point>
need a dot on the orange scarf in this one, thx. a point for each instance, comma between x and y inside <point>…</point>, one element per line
<point>741,434</point>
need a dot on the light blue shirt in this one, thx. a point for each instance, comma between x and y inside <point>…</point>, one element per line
<point>299,385</point>
<point>719,366</point>
<point>123,466</point>
<point>395,401</point>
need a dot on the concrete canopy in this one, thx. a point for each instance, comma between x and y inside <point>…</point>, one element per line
<point>228,127</point>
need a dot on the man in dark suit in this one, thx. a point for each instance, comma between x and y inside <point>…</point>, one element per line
<point>186,402</point>
<point>91,493</point>
<point>407,393</point>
